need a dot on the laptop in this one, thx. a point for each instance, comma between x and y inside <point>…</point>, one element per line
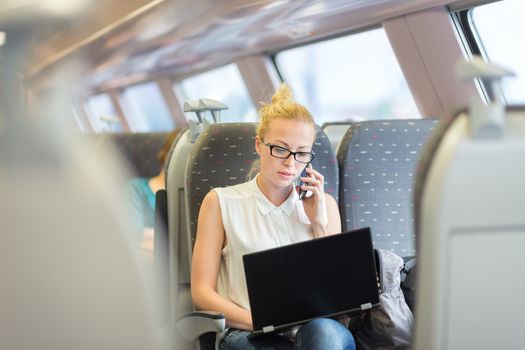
<point>324,277</point>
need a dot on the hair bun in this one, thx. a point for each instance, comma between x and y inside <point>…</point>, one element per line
<point>283,94</point>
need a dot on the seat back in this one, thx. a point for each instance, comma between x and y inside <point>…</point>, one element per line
<point>139,150</point>
<point>470,235</point>
<point>326,162</point>
<point>179,249</point>
<point>377,165</point>
<point>222,156</point>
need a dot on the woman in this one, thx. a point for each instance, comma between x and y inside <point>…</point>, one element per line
<point>141,198</point>
<point>264,213</point>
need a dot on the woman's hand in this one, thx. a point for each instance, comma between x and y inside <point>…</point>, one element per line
<point>314,205</point>
<point>321,208</point>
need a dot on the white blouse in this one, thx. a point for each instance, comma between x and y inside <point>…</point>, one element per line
<point>252,223</point>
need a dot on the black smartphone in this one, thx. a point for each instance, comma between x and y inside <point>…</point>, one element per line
<point>302,193</point>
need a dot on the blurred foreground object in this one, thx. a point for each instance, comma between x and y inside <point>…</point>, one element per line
<point>25,13</point>
<point>71,276</point>
<point>471,227</point>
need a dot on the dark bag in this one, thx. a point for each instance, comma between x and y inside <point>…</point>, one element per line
<point>388,326</point>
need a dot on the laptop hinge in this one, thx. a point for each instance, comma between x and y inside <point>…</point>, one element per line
<point>366,306</point>
<point>267,329</point>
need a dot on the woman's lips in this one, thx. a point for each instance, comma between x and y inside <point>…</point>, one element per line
<point>286,174</point>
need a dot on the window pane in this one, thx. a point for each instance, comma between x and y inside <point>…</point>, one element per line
<point>224,84</point>
<point>350,78</point>
<point>102,113</point>
<point>146,109</point>
<point>500,32</point>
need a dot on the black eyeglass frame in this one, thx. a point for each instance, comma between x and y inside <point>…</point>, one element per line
<point>272,146</point>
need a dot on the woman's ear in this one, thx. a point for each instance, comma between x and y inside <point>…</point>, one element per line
<point>258,145</point>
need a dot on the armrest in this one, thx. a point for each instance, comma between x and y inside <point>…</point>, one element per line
<point>195,324</point>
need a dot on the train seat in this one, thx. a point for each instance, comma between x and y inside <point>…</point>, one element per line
<point>377,167</point>
<point>222,156</point>
<point>470,222</point>
<point>139,150</point>
<point>173,252</point>
<point>178,253</point>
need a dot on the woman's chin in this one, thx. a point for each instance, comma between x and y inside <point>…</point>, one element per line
<point>285,183</point>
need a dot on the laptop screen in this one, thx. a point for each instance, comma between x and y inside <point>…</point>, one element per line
<point>321,277</point>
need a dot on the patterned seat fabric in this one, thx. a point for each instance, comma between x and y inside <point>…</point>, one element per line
<point>223,154</point>
<point>139,150</point>
<point>377,168</point>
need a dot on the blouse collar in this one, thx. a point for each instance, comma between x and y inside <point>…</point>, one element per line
<point>264,204</point>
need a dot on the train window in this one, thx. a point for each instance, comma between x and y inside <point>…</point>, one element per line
<point>146,109</point>
<point>349,78</point>
<point>223,84</point>
<point>497,28</point>
<point>102,113</point>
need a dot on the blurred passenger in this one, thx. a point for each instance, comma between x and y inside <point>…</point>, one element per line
<point>141,192</point>
<point>249,217</point>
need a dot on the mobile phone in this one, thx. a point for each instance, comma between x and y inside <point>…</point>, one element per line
<point>302,193</point>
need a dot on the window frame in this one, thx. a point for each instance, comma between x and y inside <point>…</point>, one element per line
<point>127,109</point>
<point>462,17</point>
<point>177,86</point>
<point>95,121</point>
<point>354,31</point>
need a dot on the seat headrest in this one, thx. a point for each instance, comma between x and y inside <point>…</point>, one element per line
<point>139,150</point>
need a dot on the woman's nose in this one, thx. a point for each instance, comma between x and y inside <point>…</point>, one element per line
<point>290,161</point>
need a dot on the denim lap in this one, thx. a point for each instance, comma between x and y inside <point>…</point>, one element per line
<point>319,334</point>
<point>324,333</point>
<point>238,340</point>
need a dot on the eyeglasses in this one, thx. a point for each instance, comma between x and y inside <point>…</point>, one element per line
<point>283,153</point>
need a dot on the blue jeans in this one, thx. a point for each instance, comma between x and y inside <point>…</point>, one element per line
<point>319,334</point>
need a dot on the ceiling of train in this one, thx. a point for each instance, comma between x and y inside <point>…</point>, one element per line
<point>139,38</point>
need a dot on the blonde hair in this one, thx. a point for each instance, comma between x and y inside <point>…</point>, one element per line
<point>282,106</point>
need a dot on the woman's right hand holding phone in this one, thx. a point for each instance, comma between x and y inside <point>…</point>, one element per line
<point>315,204</point>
